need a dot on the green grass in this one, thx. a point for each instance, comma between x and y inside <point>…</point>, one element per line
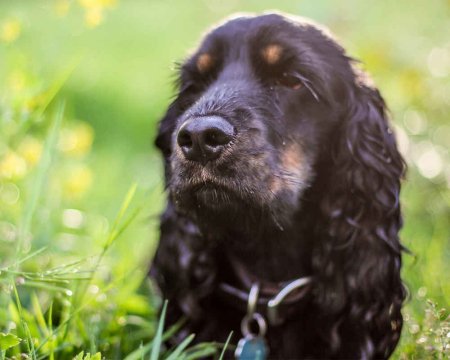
<point>81,185</point>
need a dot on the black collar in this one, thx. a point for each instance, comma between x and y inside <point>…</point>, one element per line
<point>276,301</point>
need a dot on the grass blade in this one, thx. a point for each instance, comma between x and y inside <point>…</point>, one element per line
<point>201,351</point>
<point>64,324</point>
<point>43,167</point>
<point>142,354</point>
<point>39,314</point>
<point>23,324</point>
<point>225,346</point>
<point>159,334</point>
<point>176,354</point>
<point>139,353</point>
<point>50,329</point>
<point>125,205</point>
<point>29,256</point>
<point>44,286</point>
<point>57,85</point>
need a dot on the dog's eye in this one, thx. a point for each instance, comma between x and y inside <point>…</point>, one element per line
<point>289,80</point>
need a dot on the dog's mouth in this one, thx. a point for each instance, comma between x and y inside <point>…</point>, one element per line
<point>233,185</point>
<point>212,192</point>
<point>207,195</point>
<point>232,198</point>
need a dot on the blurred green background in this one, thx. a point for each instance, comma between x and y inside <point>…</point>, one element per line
<point>64,175</point>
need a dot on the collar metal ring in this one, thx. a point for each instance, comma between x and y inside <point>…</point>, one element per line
<point>260,321</point>
<point>273,304</point>
<point>252,299</point>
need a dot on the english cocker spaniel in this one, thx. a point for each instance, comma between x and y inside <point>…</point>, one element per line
<point>283,214</point>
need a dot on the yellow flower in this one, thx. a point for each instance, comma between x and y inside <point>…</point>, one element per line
<point>12,166</point>
<point>97,3</point>
<point>77,181</point>
<point>76,140</point>
<point>10,30</point>
<point>94,10</point>
<point>31,150</point>
<point>93,17</point>
<point>62,7</point>
<point>87,3</point>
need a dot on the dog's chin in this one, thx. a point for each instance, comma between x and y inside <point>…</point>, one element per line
<point>207,198</point>
<point>221,208</point>
<point>213,206</point>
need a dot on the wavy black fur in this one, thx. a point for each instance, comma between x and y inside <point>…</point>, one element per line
<point>310,186</point>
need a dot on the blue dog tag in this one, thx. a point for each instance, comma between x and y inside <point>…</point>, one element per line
<point>251,348</point>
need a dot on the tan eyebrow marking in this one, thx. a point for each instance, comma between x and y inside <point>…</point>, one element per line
<point>204,62</point>
<point>272,53</point>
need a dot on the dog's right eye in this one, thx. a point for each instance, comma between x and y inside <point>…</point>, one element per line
<point>291,81</point>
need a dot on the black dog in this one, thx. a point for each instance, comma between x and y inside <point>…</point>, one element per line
<point>282,171</point>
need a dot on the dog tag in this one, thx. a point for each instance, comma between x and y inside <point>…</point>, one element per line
<point>251,348</point>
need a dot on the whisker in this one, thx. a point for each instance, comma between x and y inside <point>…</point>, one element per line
<point>308,85</point>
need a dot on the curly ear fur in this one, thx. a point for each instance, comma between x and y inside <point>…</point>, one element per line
<point>359,260</point>
<point>181,268</point>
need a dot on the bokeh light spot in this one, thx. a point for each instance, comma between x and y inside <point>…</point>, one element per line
<point>414,121</point>
<point>8,231</point>
<point>73,218</point>
<point>430,163</point>
<point>9,193</point>
<point>77,139</point>
<point>439,62</point>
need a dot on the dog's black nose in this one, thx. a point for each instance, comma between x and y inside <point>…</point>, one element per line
<point>202,139</point>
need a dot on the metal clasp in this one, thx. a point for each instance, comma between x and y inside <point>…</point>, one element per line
<point>272,305</point>
<point>252,315</point>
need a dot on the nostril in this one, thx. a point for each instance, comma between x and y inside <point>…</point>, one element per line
<point>216,137</point>
<point>184,138</point>
<point>202,139</point>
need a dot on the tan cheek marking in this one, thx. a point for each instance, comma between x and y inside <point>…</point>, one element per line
<point>292,158</point>
<point>204,62</point>
<point>272,53</point>
<point>292,162</point>
<point>275,184</point>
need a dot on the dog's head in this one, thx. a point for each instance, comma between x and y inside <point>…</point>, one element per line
<point>260,104</point>
<point>274,126</point>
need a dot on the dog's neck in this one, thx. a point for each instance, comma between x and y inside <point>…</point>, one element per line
<point>271,253</point>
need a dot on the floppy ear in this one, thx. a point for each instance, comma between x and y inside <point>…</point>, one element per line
<point>183,268</point>
<point>359,259</point>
